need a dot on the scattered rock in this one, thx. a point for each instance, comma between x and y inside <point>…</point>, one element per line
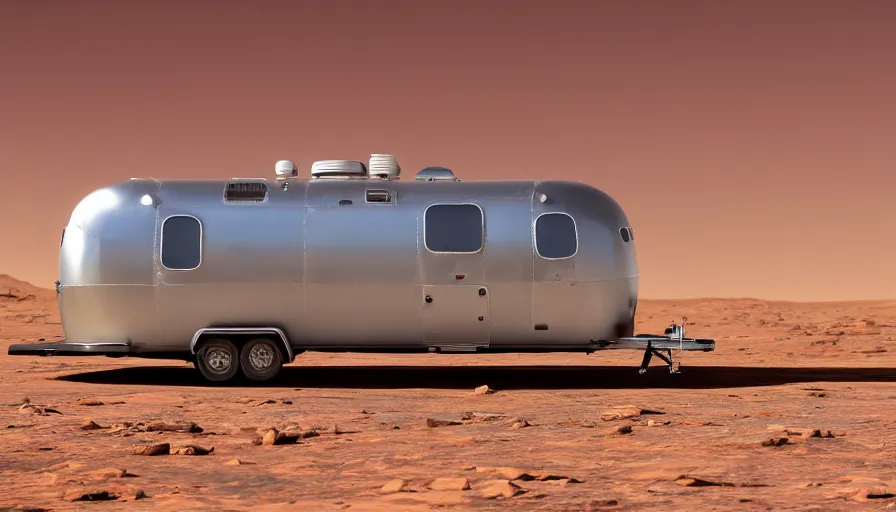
<point>397,485</point>
<point>826,434</point>
<point>550,477</point>
<point>265,402</point>
<point>817,394</point>
<point>140,495</point>
<point>336,430</point>
<point>511,473</point>
<point>277,437</point>
<point>872,493</point>
<point>238,462</point>
<point>626,429</point>
<point>520,424</point>
<point>192,449</point>
<point>153,449</point>
<point>270,437</point>
<point>262,430</point>
<point>655,423</point>
<point>450,484</point>
<point>484,390</point>
<point>775,441</point>
<point>92,425</point>
<point>27,408</point>
<point>478,417</point>
<point>626,411</point>
<point>879,494</point>
<point>492,489</point>
<point>561,481</point>
<point>689,481</point>
<point>434,423</point>
<point>94,495</point>
<point>160,426</point>
<point>90,402</point>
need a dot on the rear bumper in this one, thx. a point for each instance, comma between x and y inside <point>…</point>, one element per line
<point>69,349</point>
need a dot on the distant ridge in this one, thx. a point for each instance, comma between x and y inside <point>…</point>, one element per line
<point>16,289</point>
<point>12,289</point>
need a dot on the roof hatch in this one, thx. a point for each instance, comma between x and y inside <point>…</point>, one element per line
<point>338,169</point>
<point>436,174</point>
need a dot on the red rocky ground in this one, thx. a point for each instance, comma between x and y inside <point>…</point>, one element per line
<point>793,411</point>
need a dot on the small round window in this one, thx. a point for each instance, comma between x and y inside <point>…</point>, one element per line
<point>623,232</point>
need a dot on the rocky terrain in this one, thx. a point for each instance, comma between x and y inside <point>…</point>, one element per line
<point>793,411</point>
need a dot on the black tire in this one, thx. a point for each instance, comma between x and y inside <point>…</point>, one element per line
<point>260,359</point>
<point>218,360</point>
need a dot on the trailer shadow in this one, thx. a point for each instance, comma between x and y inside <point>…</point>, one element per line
<point>499,377</point>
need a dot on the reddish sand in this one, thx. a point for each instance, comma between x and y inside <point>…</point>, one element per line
<point>545,440</point>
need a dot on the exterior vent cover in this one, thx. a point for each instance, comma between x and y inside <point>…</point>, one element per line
<point>384,166</point>
<point>338,169</point>
<point>251,191</point>
<point>285,169</point>
<point>436,174</point>
<point>379,196</point>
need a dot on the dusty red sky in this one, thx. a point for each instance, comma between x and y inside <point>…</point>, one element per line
<point>751,143</point>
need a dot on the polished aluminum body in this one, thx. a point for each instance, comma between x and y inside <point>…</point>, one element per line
<point>327,268</point>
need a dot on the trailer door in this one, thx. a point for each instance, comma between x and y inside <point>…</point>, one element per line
<point>454,297</point>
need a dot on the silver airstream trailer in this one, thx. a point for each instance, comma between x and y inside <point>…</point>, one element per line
<point>242,275</point>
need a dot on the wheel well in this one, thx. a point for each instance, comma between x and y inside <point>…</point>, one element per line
<point>240,337</point>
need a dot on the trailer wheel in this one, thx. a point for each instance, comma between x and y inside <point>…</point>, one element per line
<point>260,359</point>
<point>218,360</point>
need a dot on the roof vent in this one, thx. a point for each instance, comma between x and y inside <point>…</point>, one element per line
<point>436,174</point>
<point>338,169</point>
<point>285,169</point>
<point>384,166</point>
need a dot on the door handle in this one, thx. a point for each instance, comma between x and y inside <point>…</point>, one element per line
<point>428,299</point>
<point>482,292</point>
